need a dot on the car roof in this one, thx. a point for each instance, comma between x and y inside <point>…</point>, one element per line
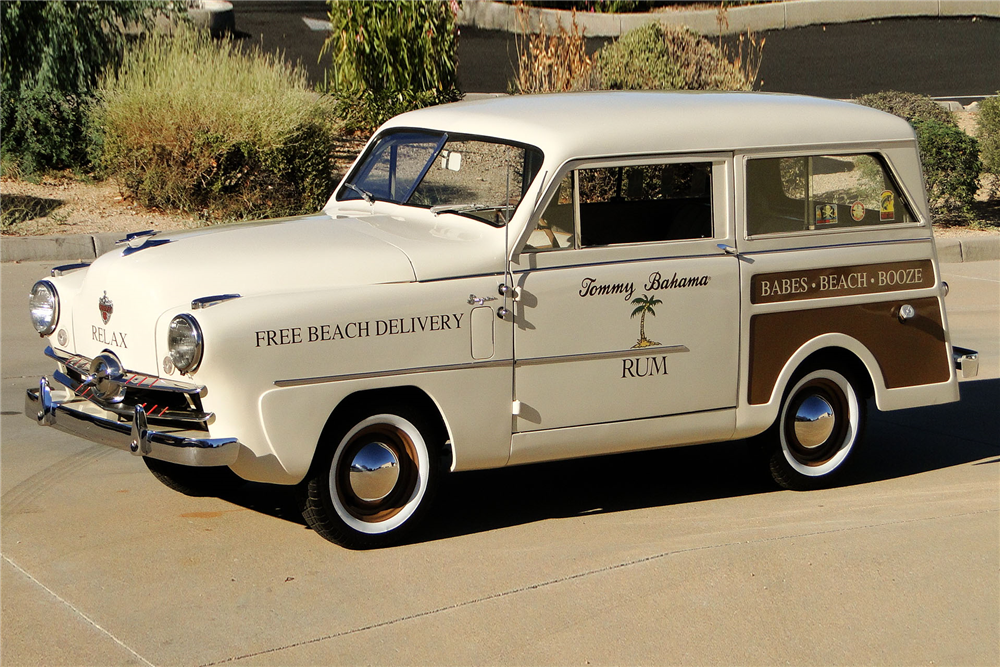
<point>589,124</point>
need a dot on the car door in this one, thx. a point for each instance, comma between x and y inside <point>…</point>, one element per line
<point>627,295</point>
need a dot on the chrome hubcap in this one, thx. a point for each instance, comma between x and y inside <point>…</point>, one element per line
<point>374,472</point>
<point>814,421</point>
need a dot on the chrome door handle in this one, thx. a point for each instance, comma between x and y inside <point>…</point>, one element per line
<point>480,300</point>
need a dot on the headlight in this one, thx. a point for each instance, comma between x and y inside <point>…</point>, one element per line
<point>184,343</point>
<point>44,305</point>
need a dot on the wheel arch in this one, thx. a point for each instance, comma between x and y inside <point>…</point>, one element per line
<point>409,395</point>
<point>834,351</point>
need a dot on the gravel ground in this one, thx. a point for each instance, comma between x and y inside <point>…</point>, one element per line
<point>67,206</point>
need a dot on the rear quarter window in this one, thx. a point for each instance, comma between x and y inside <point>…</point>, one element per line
<point>822,192</point>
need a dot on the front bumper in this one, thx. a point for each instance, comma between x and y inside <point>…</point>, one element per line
<point>75,417</point>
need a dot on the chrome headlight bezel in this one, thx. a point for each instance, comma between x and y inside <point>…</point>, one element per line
<point>185,343</point>
<point>32,306</point>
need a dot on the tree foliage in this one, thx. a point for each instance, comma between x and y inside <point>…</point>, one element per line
<point>390,57</point>
<point>951,164</point>
<point>988,133</point>
<point>52,55</point>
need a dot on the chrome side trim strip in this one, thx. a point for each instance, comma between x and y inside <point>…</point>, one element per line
<point>384,374</point>
<point>595,356</point>
<point>599,356</point>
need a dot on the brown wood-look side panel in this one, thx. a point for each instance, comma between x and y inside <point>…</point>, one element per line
<point>908,354</point>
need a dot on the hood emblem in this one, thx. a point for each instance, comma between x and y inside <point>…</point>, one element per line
<point>106,306</point>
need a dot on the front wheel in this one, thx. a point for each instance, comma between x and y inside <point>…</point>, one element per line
<point>819,428</point>
<point>374,481</point>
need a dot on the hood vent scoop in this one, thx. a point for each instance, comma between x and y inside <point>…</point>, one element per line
<point>137,241</point>
<point>208,301</point>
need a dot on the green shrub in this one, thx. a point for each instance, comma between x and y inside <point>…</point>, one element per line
<point>52,56</point>
<point>199,126</point>
<point>988,133</point>
<point>909,106</point>
<point>951,165</point>
<point>658,57</point>
<point>391,57</point>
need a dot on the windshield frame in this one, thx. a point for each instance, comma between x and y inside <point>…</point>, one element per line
<point>362,168</point>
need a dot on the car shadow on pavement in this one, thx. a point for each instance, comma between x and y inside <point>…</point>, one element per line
<point>897,444</point>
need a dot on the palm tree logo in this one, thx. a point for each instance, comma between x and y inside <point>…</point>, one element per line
<point>643,305</point>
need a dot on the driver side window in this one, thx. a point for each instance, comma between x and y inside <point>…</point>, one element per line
<point>627,204</point>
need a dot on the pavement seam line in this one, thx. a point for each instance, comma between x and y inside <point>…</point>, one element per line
<point>77,611</point>
<point>572,577</point>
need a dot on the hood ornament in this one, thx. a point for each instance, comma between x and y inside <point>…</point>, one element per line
<point>106,306</point>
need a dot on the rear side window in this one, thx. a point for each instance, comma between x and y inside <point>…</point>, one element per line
<point>794,194</point>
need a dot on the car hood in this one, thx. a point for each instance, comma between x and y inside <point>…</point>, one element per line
<point>125,291</point>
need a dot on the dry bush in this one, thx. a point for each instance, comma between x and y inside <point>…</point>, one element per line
<point>651,57</point>
<point>664,57</point>
<point>552,63</point>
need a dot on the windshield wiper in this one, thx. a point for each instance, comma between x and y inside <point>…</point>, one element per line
<point>470,208</point>
<point>367,196</point>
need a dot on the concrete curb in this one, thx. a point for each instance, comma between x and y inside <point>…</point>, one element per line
<point>489,15</point>
<point>90,246</point>
<point>972,249</point>
<point>57,248</point>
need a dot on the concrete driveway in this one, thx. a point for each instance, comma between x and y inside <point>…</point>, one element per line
<point>678,556</point>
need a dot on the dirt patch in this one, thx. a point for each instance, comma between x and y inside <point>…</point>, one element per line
<point>66,206</point>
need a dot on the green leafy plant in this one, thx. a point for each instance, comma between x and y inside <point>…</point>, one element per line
<point>391,57</point>
<point>239,135</point>
<point>950,157</point>
<point>951,165</point>
<point>988,134</point>
<point>52,56</point>
<point>909,106</point>
<point>661,57</point>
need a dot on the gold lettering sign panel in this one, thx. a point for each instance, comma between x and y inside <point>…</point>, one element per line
<point>841,281</point>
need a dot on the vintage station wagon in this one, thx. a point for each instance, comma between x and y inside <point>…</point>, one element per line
<point>516,280</point>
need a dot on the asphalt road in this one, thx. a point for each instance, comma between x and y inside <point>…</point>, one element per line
<point>952,58</point>
<point>678,556</point>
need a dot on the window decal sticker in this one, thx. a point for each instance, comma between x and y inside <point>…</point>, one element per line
<point>888,202</point>
<point>826,214</point>
<point>858,211</point>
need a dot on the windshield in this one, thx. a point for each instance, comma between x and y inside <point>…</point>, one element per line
<point>472,176</point>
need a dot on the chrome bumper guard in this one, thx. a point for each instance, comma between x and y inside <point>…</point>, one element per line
<point>135,437</point>
<point>966,361</point>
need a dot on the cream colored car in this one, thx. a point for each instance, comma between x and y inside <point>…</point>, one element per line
<point>516,280</point>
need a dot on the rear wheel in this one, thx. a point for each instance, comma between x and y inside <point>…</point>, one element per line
<point>374,481</point>
<point>818,430</point>
<point>192,480</point>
